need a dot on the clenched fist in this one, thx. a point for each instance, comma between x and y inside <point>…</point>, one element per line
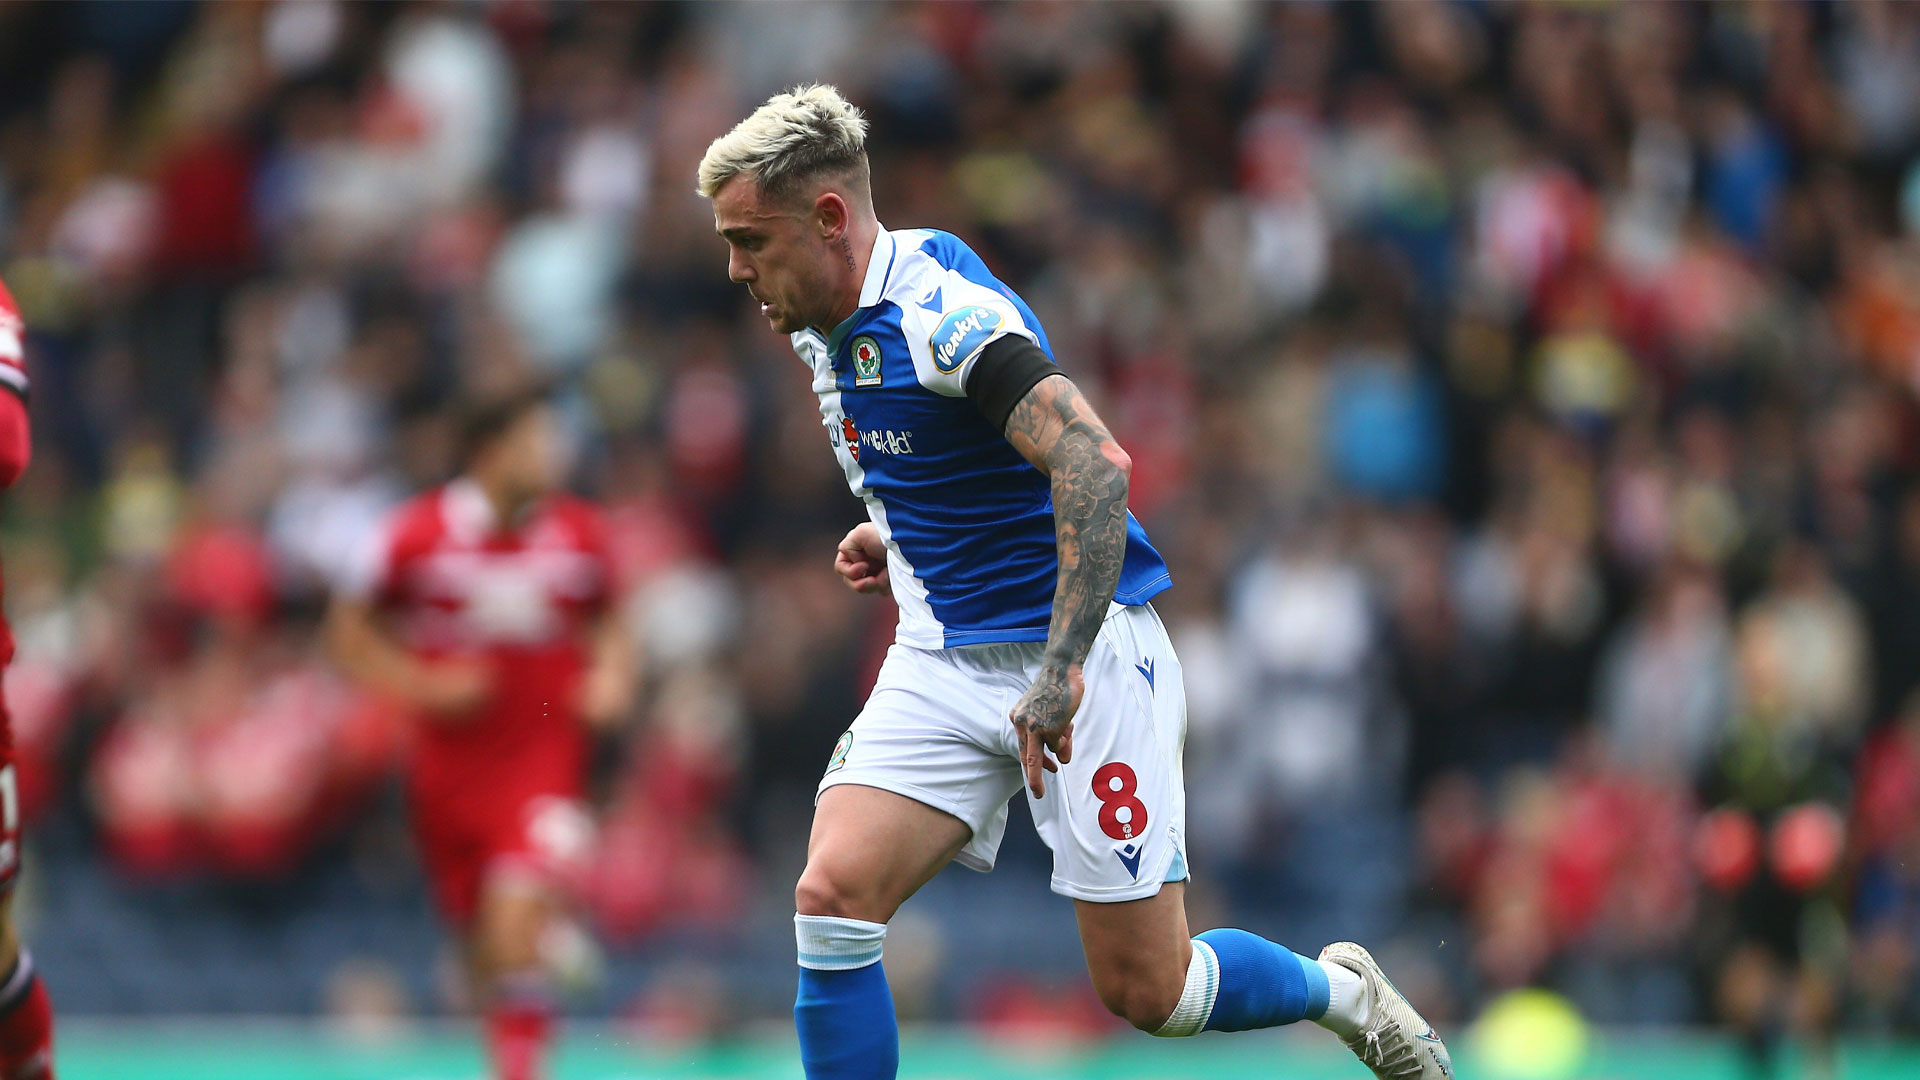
<point>861,560</point>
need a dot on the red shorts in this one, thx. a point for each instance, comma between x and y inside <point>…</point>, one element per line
<point>540,839</point>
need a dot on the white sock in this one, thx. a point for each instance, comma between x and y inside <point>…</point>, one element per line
<point>1346,1001</point>
<point>828,943</point>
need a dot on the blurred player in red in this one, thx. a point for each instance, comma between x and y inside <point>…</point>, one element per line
<point>486,606</point>
<point>26,1016</point>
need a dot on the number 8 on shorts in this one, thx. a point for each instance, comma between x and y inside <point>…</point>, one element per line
<point>1122,815</point>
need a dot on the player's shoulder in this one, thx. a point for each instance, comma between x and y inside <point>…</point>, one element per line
<point>925,257</point>
<point>577,510</point>
<point>422,510</point>
<point>581,520</point>
<point>937,275</point>
<point>409,531</point>
<point>942,247</point>
<point>945,306</point>
<point>418,521</point>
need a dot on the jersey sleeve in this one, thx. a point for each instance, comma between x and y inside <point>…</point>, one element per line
<point>952,326</point>
<point>596,540</point>
<point>1006,370</point>
<point>16,441</point>
<point>13,351</point>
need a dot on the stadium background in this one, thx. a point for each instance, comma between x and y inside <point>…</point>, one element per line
<point>1524,395</point>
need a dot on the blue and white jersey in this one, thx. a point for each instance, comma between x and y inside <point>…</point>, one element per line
<point>967,521</point>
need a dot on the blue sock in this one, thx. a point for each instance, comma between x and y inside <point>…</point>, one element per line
<point>844,1011</point>
<point>1262,984</point>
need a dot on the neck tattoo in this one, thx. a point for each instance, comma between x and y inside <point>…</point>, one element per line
<point>846,251</point>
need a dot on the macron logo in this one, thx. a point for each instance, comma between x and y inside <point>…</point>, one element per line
<point>1145,667</point>
<point>1129,857</point>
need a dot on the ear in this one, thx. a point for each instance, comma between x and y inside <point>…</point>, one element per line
<point>831,216</point>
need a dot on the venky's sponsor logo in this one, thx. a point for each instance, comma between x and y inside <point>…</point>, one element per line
<point>961,334</point>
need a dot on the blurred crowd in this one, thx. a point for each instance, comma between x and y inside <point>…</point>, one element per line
<point>1526,397</point>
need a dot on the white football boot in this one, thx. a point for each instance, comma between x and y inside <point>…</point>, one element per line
<point>1396,1042</point>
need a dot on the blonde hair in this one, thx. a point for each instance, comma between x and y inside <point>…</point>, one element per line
<point>795,137</point>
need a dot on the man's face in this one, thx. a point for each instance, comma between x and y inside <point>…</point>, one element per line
<point>529,454</point>
<point>777,252</point>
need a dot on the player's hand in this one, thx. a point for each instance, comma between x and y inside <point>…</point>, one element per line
<point>452,688</point>
<point>861,559</point>
<point>1043,717</point>
<point>606,696</point>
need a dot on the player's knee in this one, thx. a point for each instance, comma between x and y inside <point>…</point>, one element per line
<point>1139,998</point>
<point>820,892</point>
<point>815,895</point>
<point>507,927</point>
<point>1145,1007</point>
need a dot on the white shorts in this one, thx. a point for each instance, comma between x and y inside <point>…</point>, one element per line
<point>936,730</point>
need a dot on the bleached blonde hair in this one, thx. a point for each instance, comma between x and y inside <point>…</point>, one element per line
<point>806,134</point>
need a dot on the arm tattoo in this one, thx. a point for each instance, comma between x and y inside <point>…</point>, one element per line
<point>1054,428</point>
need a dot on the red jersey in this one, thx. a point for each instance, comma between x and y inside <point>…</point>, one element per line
<point>516,597</point>
<point>15,446</point>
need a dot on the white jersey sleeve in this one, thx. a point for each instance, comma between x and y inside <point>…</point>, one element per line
<point>950,325</point>
<point>13,354</point>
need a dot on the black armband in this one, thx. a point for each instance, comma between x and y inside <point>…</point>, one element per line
<point>1008,367</point>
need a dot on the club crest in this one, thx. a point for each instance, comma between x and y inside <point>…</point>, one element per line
<point>839,758</point>
<point>866,361</point>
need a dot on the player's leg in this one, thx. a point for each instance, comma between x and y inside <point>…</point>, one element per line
<point>26,1014</point>
<point>531,857</point>
<point>1115,818</point>
<point>494,912</point>
<point>1149,972</point>
<point>1232,980</point>
<point>919,781</point>
<point>1137,954</point>
<point>511,978</point>
<point>870,850</point>
<point>1115,821</point>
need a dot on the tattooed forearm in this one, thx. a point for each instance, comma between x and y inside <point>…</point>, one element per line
<point>1055,428</point>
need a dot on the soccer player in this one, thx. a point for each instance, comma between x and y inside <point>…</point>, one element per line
<point>486,606</point>
<point>26,1015</point>
<point>1026,645</point>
